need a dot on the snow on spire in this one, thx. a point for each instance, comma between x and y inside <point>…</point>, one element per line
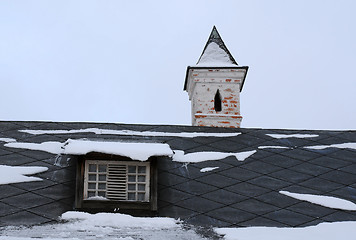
<point>215,52</point>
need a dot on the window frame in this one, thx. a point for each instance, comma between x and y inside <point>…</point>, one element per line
<point>144,208</point>
<point>106,190</point>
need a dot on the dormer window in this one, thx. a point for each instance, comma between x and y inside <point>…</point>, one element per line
<point>117,181</point>
<point>116,184</point>
<point>116,176</point>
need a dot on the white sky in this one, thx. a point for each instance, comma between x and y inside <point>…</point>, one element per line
<point>125,61</point>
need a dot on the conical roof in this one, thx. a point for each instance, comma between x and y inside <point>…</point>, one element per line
<point>215,52</point>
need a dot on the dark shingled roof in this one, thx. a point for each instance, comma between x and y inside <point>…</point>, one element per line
<point>238,193</point>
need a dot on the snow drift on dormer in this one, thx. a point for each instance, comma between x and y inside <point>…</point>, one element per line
<point>134,150</point>
<point>214,56</point>
<point>137,151</point>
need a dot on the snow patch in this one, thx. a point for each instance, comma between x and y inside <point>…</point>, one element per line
<point>322,231</point>
<point>108,226</point>
<point>292,135</point>
<point>325,201</point>
<point>196,157</point>
<point>131,133</point>
<point>14,174</point>
<point>51,147</point>
<point>208,169</point>
<point>7,140</point>
<point>350,145</point>
<point>274,147</point>
<point>120,220</point>
<point>97,198</point>
<point>215,56</point>
<point>136,151</point>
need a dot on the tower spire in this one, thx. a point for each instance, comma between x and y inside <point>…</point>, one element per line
<point>216,38</point>
<point>214,85</point>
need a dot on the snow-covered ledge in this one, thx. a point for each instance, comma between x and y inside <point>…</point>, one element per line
<point>134,150</point>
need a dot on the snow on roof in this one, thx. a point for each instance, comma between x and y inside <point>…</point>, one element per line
<point>7,140</point>
<point>325,201</point>
<point>351,145</point>
<point>214,56</point>
<point>322,231</point>
<point>292,135</point>
<point>131,133</point>
<point>122,220</point>
<point>133,150</point>
<point>50,147</point>
<point>10,174</point>
<point>80,225</point>
<point>208,169</point>
<point>196,157</point>
<point>273,147</point>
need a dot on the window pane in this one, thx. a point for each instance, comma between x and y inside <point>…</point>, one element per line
<point>132,178</point>
<point>91,185</point>
<point>142,169</point>
<point>102,168</point>
<point>141,197</point>
<point>102,177</point>
<point>91,194</point>
<point>92,168</point>
<point>102,186</point>
<point>132,169</point>
<point>131,196</point>
<point>131,187</point>
<point>92,177</point>
<point>141,187</point>
<point>101,194</point>
<point>141,179</point>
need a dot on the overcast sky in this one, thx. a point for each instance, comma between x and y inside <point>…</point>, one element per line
<point>125,61</point>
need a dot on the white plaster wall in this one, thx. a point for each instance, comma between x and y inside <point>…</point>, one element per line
<point>202,87</point>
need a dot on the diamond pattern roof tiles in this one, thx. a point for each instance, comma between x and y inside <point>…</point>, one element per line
<point>311,210</point>
<point>276,199</point>
<point>240,174</point>
<point>224,197</point>
<point>281,161</point>
<point>238,193</point>
<point>6,209</point>
<point>217,180</point>
<point>321,184</point>
<point>255,206</point>
<point>247,189</point>
<point>347,192</point>
<point>261,222</point>
<point>289,218</point>
<point>195,188</point>
<point>290,176</point>
<point>261,167</point>
<point>311,169</point>
<point>207,221</point>
<point>328,162</point>
<point>231,215</point>
<point>8,190</point>
<point>26,200</point>
<point>23,218</point>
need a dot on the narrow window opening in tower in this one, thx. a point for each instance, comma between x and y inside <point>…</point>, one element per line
<point>217,101</point>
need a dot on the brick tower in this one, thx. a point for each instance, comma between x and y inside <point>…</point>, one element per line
<point>214,85</point>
